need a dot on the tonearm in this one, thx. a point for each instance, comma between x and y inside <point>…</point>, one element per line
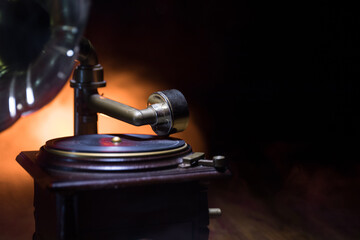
<point>167,111</point>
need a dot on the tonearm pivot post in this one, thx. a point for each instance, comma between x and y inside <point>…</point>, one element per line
<point>167,111</point>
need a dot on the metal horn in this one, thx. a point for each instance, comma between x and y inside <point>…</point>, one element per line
<point>40,39</point>
<point>38,45</point>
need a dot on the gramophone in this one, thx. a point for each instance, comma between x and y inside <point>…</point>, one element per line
<point>90,185</point>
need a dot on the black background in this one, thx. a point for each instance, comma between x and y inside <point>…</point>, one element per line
<point>272,84</point>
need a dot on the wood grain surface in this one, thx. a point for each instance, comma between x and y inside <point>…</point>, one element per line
<point>320,204</point>
<point>311,205</point>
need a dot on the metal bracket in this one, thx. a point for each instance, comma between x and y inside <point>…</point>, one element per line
<point>197,158</point>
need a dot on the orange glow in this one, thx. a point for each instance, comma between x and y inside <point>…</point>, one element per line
<point>56,120</point>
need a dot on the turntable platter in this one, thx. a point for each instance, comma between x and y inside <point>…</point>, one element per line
<point>119,143</point>
<point>115,152</point>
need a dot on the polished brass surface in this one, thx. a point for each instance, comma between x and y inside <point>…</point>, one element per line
<point>192,158</point>
<point>172,109</point>
<point>122,112</point>
<point>105,155</point>
<point>198,158</point>
<point>116,139</point>
<point>166,116</point>
<point>206,162</point>
<point>218,162</point>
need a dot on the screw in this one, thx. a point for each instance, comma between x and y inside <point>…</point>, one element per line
<point>116,139</point>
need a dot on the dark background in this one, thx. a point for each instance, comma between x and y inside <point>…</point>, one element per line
<point>254,70</point>
<point>273,85</point>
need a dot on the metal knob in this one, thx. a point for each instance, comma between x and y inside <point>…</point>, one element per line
<point>172,111</point>
<point>220,162</point>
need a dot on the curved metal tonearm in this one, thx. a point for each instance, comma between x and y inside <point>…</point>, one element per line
<point>167,111</point>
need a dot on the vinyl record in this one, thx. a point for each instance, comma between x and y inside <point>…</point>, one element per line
<point>119,143</point>
<point>115,152</point>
